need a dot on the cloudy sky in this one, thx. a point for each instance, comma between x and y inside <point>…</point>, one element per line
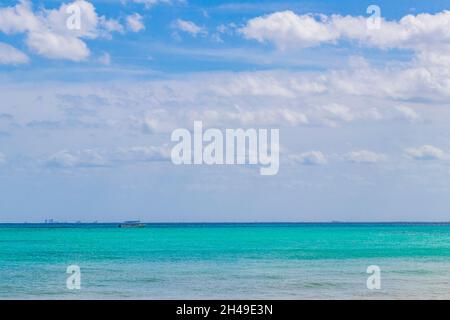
<point>86,114</point>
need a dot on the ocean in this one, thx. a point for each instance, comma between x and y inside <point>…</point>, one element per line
<point>225,261</point>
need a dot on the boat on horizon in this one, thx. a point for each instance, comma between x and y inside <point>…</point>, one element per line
<point>132,224</point>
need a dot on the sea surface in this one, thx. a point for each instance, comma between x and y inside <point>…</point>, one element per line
<point>225,261</point>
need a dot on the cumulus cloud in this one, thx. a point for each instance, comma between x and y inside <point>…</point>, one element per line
<point>427,152</point>
<point>364,156</point>
<point>309,158</point>
<point>47,31</point>
<point>188,27</point>
<point>287,29</point>
<point>135,22</point>
<point>55,46</point>
<point>12,56</point>
<point>427,35</point>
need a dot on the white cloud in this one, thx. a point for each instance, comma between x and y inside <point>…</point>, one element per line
<point>427,35</point>
<point>408,113</point>
<point>19,19</point>
<point>240,99</point>
<point>91,158</point>
<point>364,156</point>
<point>84,159</point>
<point>427,152</point>
<point>10,55</point>
<point>151,3</point>
<point>337,112</point>
<point>142,154</point>
<point>407,82</point>
<point>250,117</point>
<point>188,27</point>
<point>261,84</point>
<point>228,28</point>
<point>55,46</point>
<point>162,121</point>
<point>135,22</point>
<point>56,20</point>
<point>108,26</point>
<point>310,158</point>
<point>118,111</point>
<point>286,29</point>
<point>47,33</point>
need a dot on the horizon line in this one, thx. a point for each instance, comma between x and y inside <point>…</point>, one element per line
<point>237,222</point>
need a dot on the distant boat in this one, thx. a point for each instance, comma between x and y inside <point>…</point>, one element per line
<point>132,224</point>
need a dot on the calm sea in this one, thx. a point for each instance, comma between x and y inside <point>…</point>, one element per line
<point>214,261</point>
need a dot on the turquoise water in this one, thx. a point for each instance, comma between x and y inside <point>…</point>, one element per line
<point>268,261</point>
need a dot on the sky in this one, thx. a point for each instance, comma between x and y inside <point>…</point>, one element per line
<point>86,113</point>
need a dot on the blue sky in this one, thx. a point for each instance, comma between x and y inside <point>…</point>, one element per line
<point>86,115</point>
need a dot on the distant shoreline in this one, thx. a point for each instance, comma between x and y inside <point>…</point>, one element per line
<point>218,224</point>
